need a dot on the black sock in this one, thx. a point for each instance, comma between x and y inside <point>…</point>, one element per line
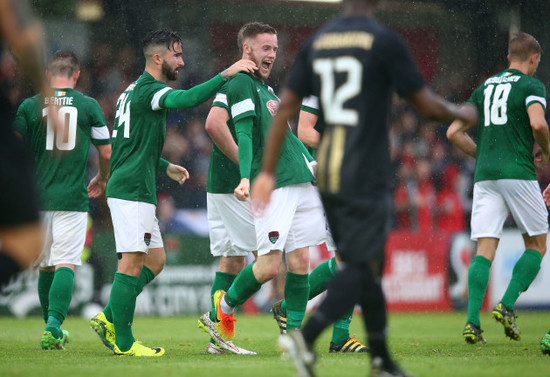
<point>374,316</point>
<point>341,296</point>
<point>8,268</point>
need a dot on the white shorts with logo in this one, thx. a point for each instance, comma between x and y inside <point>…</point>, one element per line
<point>64,237</point>
<point>231,225</point>
<point>493,200</point>
<point>135,224</point>
<point>293,219</point>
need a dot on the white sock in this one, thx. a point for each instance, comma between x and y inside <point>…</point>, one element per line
<point>225,306</point>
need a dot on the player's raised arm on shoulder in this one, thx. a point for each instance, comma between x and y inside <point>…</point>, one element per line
<point>540,132</point>
<point>216,127</point>
<point>243,65</point>
<point>181,99</point>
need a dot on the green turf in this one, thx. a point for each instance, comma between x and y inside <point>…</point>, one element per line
<point>425,344</point>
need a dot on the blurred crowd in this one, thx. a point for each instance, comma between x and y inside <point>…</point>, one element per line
<point>433,180</point>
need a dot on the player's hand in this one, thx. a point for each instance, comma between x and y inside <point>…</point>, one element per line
<point>261,193</point>
<point>539,157</point>
<point>177,173</point>
<point>96,187</point>
<point>242,191</point>
<point>243,65</point>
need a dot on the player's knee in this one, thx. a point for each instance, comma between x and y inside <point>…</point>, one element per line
<point>264,272</point>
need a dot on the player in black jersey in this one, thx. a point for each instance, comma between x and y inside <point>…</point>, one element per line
<point>20,232</point>
<point>352,64</point>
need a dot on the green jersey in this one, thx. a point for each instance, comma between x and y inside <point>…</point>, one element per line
<point>505,138</point>
<point>62,176</point>
<point>139,132</point>
<point>311,105</point>
<point>252,107</point>
<point>223,174</point>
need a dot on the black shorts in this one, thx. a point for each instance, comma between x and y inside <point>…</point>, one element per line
<point>359,228</point>
<point>18,195</point>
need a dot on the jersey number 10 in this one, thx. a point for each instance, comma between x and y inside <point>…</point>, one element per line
<point>68,117</point>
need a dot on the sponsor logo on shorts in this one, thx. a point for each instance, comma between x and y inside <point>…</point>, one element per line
<point>273,236</point>
<point>147,238</point>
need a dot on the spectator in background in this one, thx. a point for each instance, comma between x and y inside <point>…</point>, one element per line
<point>449,211</point>
<point>423,197</point>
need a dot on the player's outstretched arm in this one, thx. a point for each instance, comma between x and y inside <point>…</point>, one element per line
<point>216,127</point>
<point>97,185</point>
<point>177,173</point>
<point>432,106</point>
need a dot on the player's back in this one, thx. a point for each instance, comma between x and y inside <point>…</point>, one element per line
<point>356,62</point>
<point>61,160</point>
<point>505,137</point>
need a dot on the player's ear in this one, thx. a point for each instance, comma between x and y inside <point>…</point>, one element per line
<point>76,75</point>
<point>157,59</point>
<point>246,48</point>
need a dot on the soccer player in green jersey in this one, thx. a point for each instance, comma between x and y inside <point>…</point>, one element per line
<point>137,139</point>
<point>511,107</point>
<point>296,220</point>
<point>322,274</point>
<point>62,183</point>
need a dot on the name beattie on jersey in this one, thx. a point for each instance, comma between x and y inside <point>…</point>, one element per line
<point>58,101</point>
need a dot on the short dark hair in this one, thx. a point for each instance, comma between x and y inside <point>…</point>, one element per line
<point>161,37</point>
<point>252,29</point>
<point>63,63</point>
<point>523,45</point>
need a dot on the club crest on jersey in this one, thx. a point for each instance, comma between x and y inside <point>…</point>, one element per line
<point>147,238</point>
<point>273,236</point>
<point>272,106</point>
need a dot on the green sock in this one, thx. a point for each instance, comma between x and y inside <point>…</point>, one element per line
<point>243,287</point>
<point>525,271</point>
<point>223,281</point>
<point>478,278</point>
<point>123,305</point>
<point>318,279</point>
<point>145,277</point>
<point>45,279</point>
<point>61,294</point>
<point>296,296</point>
<point>340,330</point>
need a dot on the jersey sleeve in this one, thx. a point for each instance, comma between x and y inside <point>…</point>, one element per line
<point>220,100</point>
<point>20,123</point>
<point>310,105</point>
<point>240,98</point>
<point>99,131</point>
<point>536,93</point>
<point>182,99</point>
<point>399,64</point>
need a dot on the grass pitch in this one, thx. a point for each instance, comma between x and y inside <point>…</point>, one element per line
<point>425,344</point>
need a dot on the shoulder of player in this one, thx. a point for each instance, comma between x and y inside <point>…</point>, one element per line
<point>239,78</point>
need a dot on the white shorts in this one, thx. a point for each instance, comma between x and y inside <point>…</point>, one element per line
<point>64,237</point>
<point>135,224</point>
<point>493,200</point>
<point>231,225</point>
<point>293,219</point>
